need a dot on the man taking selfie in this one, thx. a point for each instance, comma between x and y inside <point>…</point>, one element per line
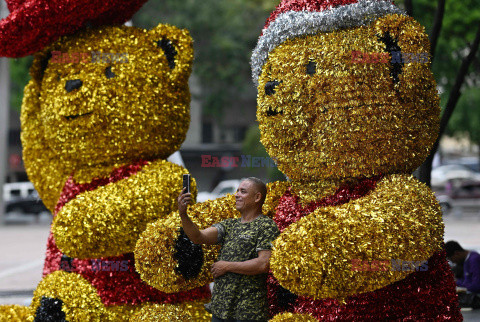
<point>240,291</point>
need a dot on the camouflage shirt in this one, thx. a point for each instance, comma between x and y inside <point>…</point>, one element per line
<point>238,296</point>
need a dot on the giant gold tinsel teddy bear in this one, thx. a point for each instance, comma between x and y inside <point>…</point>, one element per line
<point>102,112</point>
<point>347,105</point>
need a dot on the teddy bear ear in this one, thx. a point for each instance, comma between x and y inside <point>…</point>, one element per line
<point>407,47</point>
<point>40,64</point>
<point>177,46</point>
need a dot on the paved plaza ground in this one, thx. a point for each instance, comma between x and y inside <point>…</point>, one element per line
<point>23,241</point>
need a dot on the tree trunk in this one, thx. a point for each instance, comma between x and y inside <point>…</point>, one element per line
<point>437,27</point>
<point>409,7</point>
<point>455,93</point>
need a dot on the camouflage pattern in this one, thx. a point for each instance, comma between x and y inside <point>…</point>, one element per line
<point>238,296</point>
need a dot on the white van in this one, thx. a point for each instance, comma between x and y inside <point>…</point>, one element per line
<point>21,197</point>
<point>14,190</point>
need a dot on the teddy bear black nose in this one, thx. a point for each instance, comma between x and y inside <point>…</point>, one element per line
<point>73,84</point>
<point>270,87</point>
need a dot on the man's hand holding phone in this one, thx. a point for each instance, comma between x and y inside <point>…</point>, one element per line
<point>185,197</point>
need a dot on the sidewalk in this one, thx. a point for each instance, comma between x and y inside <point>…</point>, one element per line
<point>22,250</point>
<point>465,229</point>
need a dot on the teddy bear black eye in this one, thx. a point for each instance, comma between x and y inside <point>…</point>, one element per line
<point>169,50</point>
<point>311,67</point>
<point>108,72</point>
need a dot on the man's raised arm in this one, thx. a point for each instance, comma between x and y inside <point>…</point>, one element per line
<point>206,236</point>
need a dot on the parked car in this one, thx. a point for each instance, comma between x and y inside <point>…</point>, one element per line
<point>445,173</point>
<point>21,197</point>
<point>224,187</point>
<point>463,196</point>
<point>469,162</point>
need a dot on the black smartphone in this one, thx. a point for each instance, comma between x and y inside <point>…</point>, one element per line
<point>186,182</point>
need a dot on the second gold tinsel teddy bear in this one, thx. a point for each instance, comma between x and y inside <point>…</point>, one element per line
<point>103,111</point>
<point>361,238</point>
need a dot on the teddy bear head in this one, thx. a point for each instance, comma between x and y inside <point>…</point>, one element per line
<point>111,95</point>
<point>348,102</point>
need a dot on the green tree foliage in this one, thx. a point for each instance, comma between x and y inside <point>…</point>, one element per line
<point>252,146</point>
<point>19,78</point>
<point>465,121</point>
<point>225,33</point>
<point>460,23</point>
<point>455,27</point>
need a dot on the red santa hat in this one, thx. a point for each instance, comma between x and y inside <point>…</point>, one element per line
<point>34,24</point>
<point>294,18</point>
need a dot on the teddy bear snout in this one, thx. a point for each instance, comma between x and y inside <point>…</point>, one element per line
<point>73,84</point>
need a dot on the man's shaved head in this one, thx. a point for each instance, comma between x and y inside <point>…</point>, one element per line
<point>259,186</point>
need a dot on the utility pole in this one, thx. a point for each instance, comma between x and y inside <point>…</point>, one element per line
<point>4,126</point>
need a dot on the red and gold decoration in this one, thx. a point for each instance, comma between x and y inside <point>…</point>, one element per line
<point>159,253</point>
<point>34,24</point>
<point>292,317</point>
<point>348,133</point>
<point>158,249</point>
<point>103,111</point>
<point>14,313</point>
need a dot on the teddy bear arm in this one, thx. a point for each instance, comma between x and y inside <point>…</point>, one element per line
<point>205,214</point>
<point>150,193</point>
<point>122,209</point>
<point>167,178</point>
<point>341,251</point>
<point>167,260</point>
<point>400,203</point>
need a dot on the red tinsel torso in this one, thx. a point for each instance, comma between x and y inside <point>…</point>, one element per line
<point>425,295</point>
<point>114,287</point>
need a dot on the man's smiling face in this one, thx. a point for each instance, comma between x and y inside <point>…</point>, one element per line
<point>245,196</point>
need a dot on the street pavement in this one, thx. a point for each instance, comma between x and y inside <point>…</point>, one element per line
<point>22,251</point>
<point>23,241</point>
